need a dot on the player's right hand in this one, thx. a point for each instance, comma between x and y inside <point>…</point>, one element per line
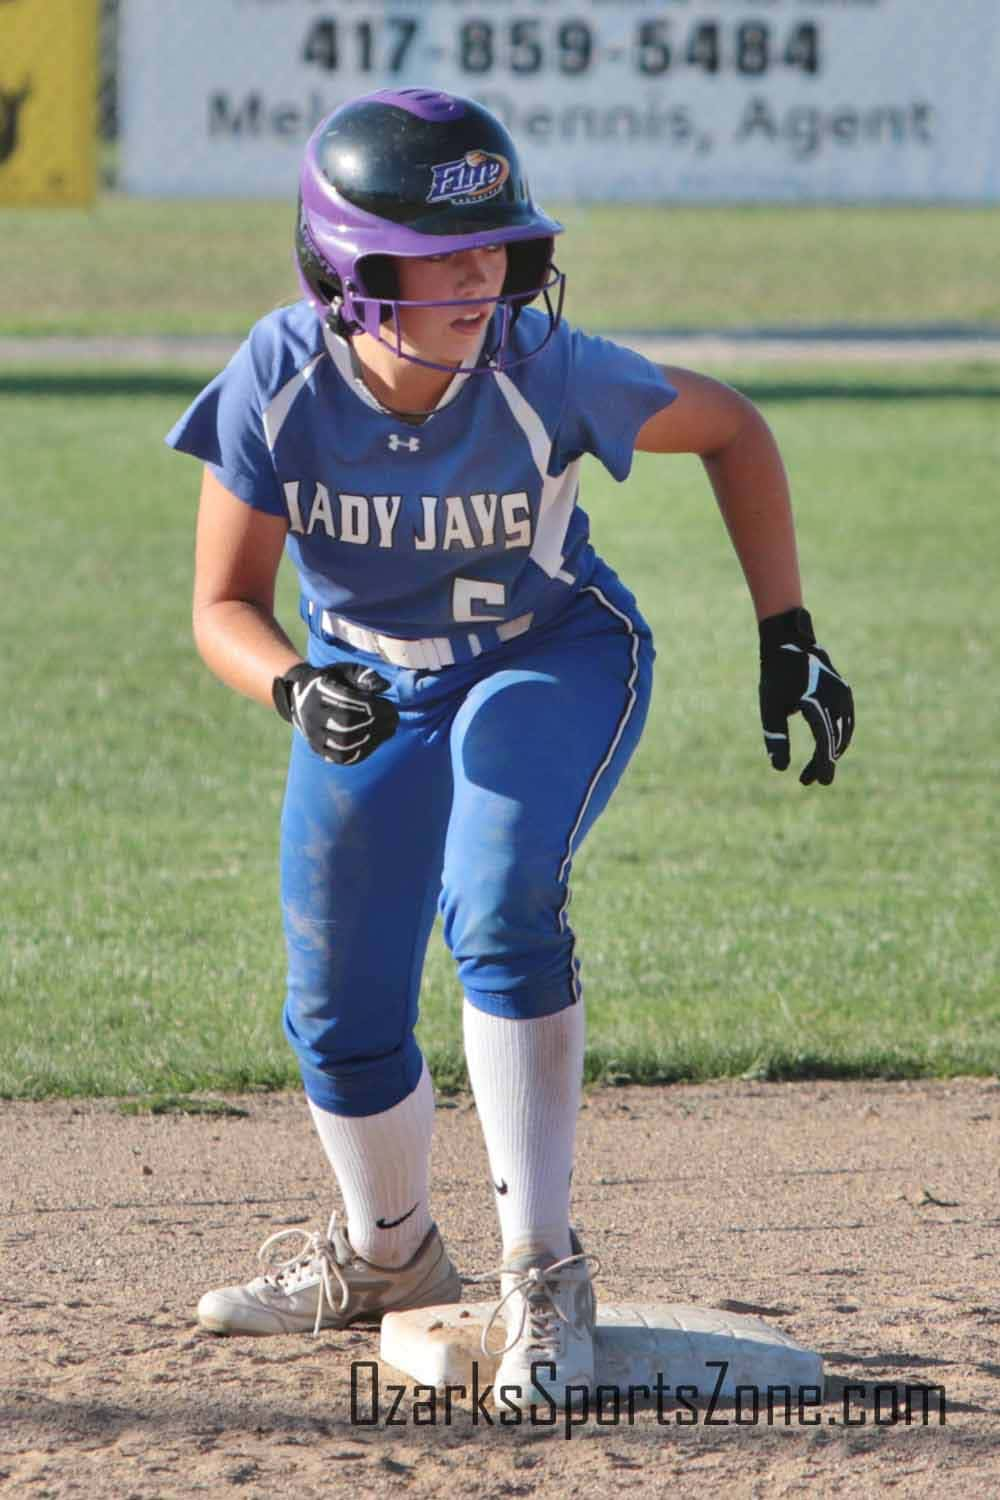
<point>338,709</point>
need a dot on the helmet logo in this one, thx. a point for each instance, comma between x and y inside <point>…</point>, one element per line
<point>475,177</point>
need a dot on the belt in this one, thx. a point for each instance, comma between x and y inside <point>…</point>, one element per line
<point>430,654</point>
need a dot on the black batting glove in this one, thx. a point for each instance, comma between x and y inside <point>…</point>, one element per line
<point>339,709</point>
<point>797,676</point>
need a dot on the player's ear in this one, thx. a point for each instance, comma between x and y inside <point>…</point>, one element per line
<point>381,279</point>
<point>380,275</point>
<point>528,263</point>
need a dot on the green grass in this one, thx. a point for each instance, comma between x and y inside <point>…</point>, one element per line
<point>131,266</point>
<point>181,1104</point>
<point>730,921</point>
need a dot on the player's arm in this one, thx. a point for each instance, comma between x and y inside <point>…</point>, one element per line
<point>744,467</point>
<point>339,709</point>
<point>237,554</point>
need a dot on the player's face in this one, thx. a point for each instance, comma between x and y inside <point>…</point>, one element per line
<point>449,334</point>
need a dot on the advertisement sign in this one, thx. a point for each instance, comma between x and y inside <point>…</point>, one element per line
<point>48,101</point>
<point>628,99</point>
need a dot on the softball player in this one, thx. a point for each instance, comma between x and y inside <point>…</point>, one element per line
<point>475,684</point>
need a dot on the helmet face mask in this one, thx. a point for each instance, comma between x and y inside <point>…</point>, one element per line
<point>380,317</point>
<point>417,173</point>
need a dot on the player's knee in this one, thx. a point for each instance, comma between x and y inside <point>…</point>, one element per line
<point>503,906</point>
<point>336,1018</point>
<point>511,942</point>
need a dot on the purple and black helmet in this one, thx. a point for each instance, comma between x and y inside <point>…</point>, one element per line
<point>417,172</point>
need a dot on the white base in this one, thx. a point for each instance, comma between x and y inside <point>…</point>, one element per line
<point>438,1346</point>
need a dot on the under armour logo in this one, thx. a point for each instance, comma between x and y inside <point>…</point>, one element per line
<point>395,441</point>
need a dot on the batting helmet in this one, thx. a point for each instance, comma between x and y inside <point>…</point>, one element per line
<point>417,172</point>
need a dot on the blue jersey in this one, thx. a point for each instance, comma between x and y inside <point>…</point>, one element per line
<point>468,518</point>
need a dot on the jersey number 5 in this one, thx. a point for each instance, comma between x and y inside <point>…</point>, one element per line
<point>468,592</point>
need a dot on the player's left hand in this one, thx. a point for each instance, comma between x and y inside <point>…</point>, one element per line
<point>797,676</point>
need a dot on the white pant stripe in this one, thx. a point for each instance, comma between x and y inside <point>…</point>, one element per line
<point>609,756</point>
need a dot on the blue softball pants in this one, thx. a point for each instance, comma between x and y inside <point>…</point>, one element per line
<point>476,807</point>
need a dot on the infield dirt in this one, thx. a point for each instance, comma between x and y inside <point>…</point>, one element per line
<point>861,1218</point>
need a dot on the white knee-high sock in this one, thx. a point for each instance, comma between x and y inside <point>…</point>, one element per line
<point>526,1078</point>
<point>381,1166</point>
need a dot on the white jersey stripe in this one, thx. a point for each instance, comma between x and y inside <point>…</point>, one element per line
<point>620,728</point>
<point>528,420</point>
<point>559,494</point>
<point>275,414</point>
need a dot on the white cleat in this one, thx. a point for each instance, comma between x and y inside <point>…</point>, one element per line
<point>327,1285</point>
<point>549,1311</point>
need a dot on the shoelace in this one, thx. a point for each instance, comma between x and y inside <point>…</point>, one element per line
<point>317,1247</point>
<point>540,1309</point>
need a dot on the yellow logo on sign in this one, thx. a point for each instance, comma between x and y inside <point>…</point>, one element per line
<point>10,114</point>
<point>48,101</point>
